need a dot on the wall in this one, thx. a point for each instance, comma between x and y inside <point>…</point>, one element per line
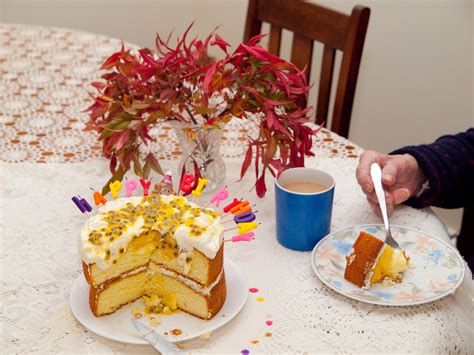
<point>416,77</point>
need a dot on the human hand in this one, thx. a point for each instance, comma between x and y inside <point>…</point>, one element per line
<point>401,178</point>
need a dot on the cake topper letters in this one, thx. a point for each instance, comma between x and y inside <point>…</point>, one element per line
<point>198,191</point>
<point>146,185</point>
<point>227,208</point>
<point>82,204</point>
<point>219,196</point>
<point>115,187</point>
<point>130,186</point>
<point>99,199</point>
<point>187,183</point>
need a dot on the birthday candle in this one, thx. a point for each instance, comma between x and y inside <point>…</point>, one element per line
<point>227,208</point>
<point>238,209</point>
<point>115,187</point>
<point>82,204</point>
<point>146,185</point>
<point>201,183</point>
<point>219,196</point>
<point>245,217</point>
<point>246,227</point>
<point>187,183</point>
<point>130,186</point>
<point>247,237</point>
<point>99,199</point>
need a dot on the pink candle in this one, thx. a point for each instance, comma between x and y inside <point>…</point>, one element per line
<point>247,237</point>
<point>219,196</point>
<point>130,186</point>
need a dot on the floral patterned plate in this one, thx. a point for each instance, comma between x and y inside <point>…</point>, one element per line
<point>436,268</point>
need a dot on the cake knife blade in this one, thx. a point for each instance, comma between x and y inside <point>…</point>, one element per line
<point>159,343</point>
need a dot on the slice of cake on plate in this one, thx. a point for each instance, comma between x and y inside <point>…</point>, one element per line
<point>162,247</point>
<point>372,261</point>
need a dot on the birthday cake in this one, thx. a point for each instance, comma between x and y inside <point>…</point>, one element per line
<point>372,261</point>
<point>160,247</point>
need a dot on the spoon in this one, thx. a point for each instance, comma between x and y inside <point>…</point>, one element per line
<point>376,174</point>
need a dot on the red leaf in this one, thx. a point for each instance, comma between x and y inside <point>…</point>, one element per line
<point>207,79</point>
<point>220,42</point>
<point>113,165</point>
<point>261,186</point>
<point>247,161</point>
<point>121,139</point>
<point>98,85</point>
<point>111,61</point>
<point>254,40</point>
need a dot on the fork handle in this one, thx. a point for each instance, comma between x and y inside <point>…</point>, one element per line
<point>376,174</point>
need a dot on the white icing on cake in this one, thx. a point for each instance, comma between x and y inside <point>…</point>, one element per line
<point>208,242</point>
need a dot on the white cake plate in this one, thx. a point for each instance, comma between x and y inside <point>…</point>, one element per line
<point>118,326</point>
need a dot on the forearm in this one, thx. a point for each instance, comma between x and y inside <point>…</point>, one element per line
<point>448,164</point>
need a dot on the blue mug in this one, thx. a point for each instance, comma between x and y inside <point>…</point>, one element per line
<point>303,219</point>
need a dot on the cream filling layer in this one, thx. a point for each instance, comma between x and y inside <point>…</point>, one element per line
<point>371,272</point>
<point>123,276</point>
<point>205,291</point>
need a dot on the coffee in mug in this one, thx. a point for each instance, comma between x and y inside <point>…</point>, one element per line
<point>307,187</point>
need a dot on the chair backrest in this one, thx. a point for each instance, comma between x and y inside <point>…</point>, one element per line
<point>337,31</point>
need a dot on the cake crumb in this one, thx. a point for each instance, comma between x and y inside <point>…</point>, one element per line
<point>137,313</point>
<point>254,342</point>
<point>176,332</point>
<point>154,321</point>
<point>205,335</point>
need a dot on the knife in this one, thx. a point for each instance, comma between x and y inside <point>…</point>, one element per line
<point>159,343</point>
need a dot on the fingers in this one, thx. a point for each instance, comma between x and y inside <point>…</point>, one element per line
<point>376,207</point>
<point>400,195</point>
<point>363,169</point>
<point>392,170</point>
<point>389,198</point>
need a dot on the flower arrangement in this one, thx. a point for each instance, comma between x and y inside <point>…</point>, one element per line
<point>182,83</point>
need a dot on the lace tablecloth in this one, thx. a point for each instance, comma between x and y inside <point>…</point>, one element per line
<point>44,73</point>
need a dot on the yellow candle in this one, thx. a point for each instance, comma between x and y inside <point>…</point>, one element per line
<point>246,227</point>
<point>115,187</point>
<point>199,187</point>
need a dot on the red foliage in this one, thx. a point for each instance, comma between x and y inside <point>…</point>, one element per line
<point>177,83</point>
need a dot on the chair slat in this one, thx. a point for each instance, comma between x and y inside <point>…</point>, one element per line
<point>275,40</point>
<point>253,25</point>
<point>325,83</point>
<point>349,71</point>
<point>301,54</point>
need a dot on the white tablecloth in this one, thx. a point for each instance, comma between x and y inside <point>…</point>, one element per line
<point>40,262</point>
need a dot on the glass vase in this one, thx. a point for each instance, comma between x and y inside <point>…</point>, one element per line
<point>201,145</point>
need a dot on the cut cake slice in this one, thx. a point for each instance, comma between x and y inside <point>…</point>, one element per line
<point>372,261</point>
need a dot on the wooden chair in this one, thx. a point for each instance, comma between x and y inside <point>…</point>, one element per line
<point>310,22</point>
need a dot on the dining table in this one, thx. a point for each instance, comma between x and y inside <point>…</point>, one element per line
<point>46,157</point>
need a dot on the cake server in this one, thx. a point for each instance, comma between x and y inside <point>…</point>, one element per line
<point>159,343</point>
<point>376,174</point>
